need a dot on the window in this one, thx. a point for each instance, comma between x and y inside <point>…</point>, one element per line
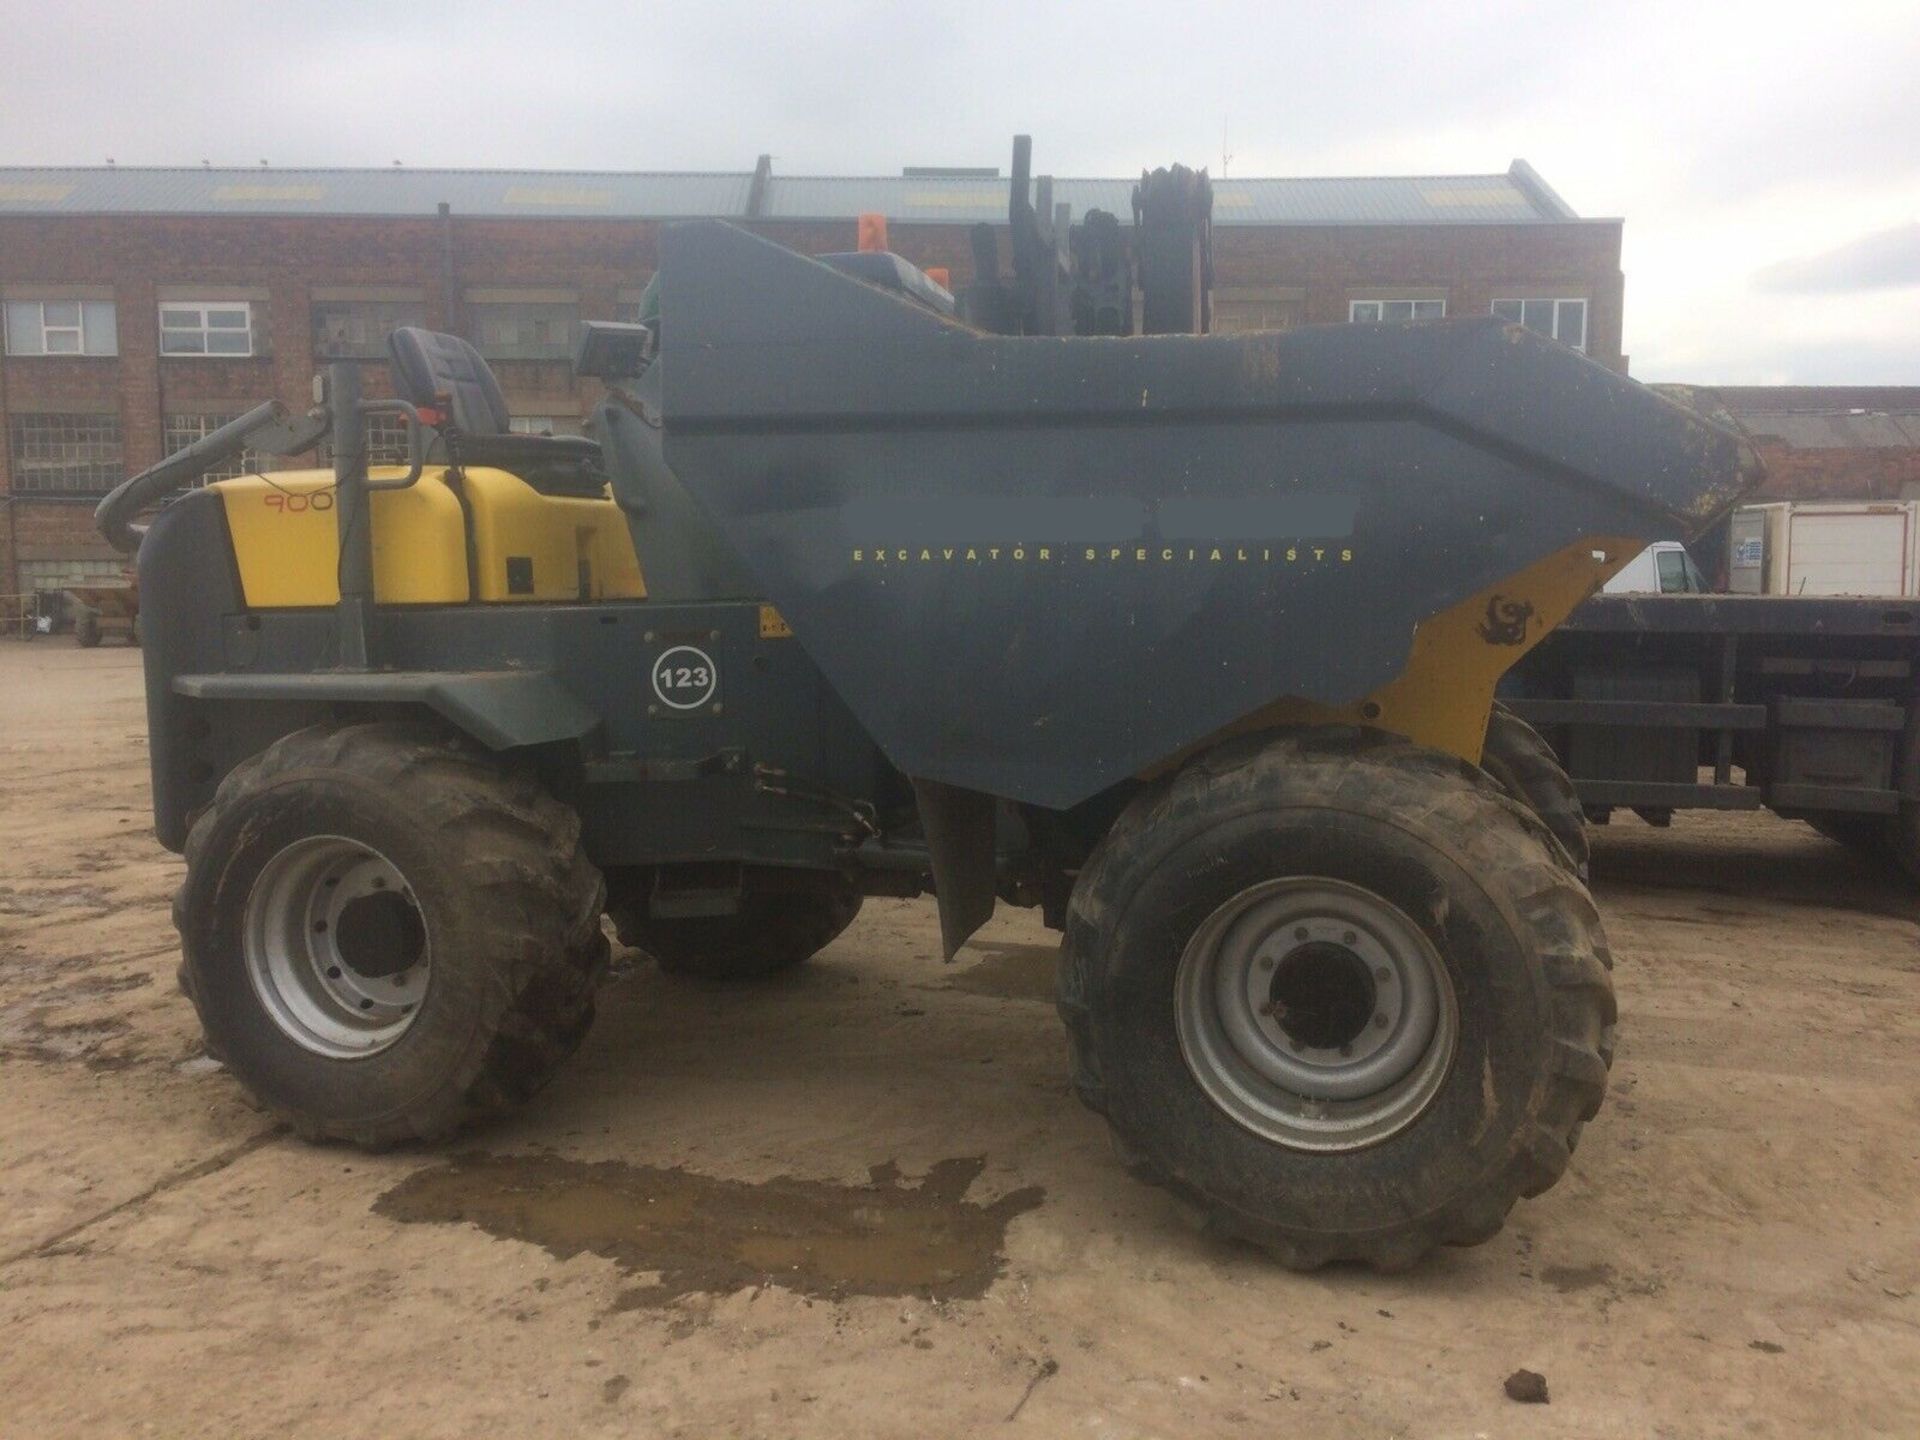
<point>524,329</point>
<point>211,327</point>
<point>67,574</point>
<point>1562,320</point>
<point>1677,572</point>
<point>65,453</point>
<point>1375,311</point>
<point>1239,312</point>
<point>544,425</point>
<point>386,442</point>
<point>358,329</point>
<point>181,431</point>
<point>62,327</point>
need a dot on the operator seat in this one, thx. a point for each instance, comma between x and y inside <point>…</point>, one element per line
<point>445,375</point>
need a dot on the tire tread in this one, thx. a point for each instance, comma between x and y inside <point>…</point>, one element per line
<point>492,820</point>
<point>1369,770</point>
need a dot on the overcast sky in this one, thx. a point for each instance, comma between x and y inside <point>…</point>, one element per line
<point>1765,156</point>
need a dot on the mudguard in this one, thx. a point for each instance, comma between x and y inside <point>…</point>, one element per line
<point>1036,566</point>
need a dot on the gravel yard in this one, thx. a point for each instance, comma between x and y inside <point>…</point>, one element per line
<point>860,1200</point>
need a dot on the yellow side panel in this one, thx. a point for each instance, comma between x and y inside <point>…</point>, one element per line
<point>287,544</point>
<point>1444,695</point>
<point>529,546</point>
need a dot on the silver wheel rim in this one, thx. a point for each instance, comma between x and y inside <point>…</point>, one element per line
<point>1316,1014</point>
<point>336,947</point>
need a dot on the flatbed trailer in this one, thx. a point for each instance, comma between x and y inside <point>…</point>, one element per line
<point>1800,704</point>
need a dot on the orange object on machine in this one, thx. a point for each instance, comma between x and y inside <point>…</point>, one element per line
<point>940,276</point>
<point>873,232</point>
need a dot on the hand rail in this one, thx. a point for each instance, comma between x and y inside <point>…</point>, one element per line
<point>114,515</point>
<point>416,442</point>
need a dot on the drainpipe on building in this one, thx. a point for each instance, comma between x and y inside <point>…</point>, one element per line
<point>449,289</point>
<point>10,579</point>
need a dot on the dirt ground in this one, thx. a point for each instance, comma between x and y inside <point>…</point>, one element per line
<point>861,1201</point>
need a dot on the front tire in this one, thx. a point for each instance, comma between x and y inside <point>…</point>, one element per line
<point>386,934</point>
<point>1434,1026</point>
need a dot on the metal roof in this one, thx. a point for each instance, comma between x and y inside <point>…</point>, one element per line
<point>1819,399</point>
<point>1827,417</point>
<point>396,191</point>
<point>1518,196</point>
<point>1844,430</point>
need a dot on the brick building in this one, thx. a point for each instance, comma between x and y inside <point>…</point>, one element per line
<point>145,307</point>
<point>1831,442</point>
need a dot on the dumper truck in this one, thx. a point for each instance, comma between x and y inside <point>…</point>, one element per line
<point>860,587</point>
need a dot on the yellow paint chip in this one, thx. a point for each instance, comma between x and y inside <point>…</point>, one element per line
<point>1496,196</point>
<point>35,192</point>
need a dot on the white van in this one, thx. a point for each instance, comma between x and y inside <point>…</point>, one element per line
<point>1663,568</point>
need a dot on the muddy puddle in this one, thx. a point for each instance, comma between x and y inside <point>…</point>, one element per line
<point>703,1235</point>
<point>1012,972</point>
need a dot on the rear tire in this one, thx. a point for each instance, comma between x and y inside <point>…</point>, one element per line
<point>1869,836</point>
<point>1410,862</point>
<point>386,934</point>
<point>773,931</point>
<point>1524,765</point>
<point>86,629</point>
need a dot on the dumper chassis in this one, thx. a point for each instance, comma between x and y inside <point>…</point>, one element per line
<point>858,589</point>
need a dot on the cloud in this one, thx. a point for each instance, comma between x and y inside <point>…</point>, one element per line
<point>1727,143</point>
<point>1884,260</point>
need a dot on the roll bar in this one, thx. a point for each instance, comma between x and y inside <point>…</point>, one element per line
<point>290,435</point>
<point>114,515</point>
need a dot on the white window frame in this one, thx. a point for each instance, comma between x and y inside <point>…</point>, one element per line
<point>79,329</point>
<point>1557,301</point>
<point>1433,306</point>
<point>205,329</point>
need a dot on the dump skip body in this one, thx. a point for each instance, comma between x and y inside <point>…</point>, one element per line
<point>1036,566</point>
